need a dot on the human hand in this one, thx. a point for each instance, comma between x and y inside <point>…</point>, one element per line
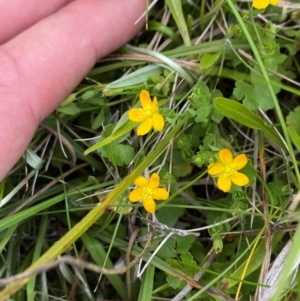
<point>46,49</point>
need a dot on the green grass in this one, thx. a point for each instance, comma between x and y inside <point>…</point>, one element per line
<point>225,76</point>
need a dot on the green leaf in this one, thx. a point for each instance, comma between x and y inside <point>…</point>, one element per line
<point>263,95</point>
<point>293,119</point>
<point>146,290</point>
<point>250,172</point>
<point>70,109</point>
<point>256,95</point>
<point>173,282</point>
<point>117,153</point>
<point>7,236</point>
<point>208,60</point>
<point>122,120</point>
<point>99,120</point>
<point>88,94</point>
<point>165,30</point>
<point>271,63</point>
<point>122,154</point>
<point>139,76</point>
<point>184,243</point>
<point>244,90</point>
<point>169,215</point>
<point>294,136</point>
<point>68,100</point>
<point>216,116</point>
<point>126,128</point>
<point>217,243</point>
<point>202,113</point>
<point>239,113</point>
<point>109,130</point>
<point>43,226</point>
<point>200,96</point>
<point>98,252</point>
<point>279,57</point>
<point>175,7</point>
<point>189,264</point>
<point>168,250</point>
<point>261,91</point>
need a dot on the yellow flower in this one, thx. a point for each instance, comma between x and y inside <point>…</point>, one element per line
<point>148,115</point>
<point>147,191</point>
<point>227,170</point>
<point>261,4</point>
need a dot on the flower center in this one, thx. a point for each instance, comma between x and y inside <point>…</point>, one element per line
<point>147,192</point>
<point>145,113</point>
<point>229,170</point>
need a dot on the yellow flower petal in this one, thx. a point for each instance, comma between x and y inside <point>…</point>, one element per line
<point>224,183</point>
<point>145,99</point>
<point>149,205</point>
<point>136,115</point>
<point>260,4</point>
<point>239,179</point>
<point>145,127</point>
<point>154,105</point>
<point>239,162</point>
<point>141,182</point>
<point>225,156</point>
<point>154,180</point>
<point>215,169</point>
<point>160,194</point>
<point>158,122</point>
<point>274,2</point>
<point>136,195</point>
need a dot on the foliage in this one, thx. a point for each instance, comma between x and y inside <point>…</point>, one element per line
<point>208,78</point>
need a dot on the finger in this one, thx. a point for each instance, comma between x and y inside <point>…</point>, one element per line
<point>16,16</point>
<point>40,67</point>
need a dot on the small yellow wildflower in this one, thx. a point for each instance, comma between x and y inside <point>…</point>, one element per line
<point>227,170</point>
<point>148,115</point>
<point>261,4</point>
<point>147,191</point>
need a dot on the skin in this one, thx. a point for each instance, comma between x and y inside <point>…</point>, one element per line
<point>46,49</point>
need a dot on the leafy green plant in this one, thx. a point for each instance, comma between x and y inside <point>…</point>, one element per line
<point>196,114</point>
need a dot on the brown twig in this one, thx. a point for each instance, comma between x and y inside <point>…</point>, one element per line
<point>127,261</point>
<point>194,66</point>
